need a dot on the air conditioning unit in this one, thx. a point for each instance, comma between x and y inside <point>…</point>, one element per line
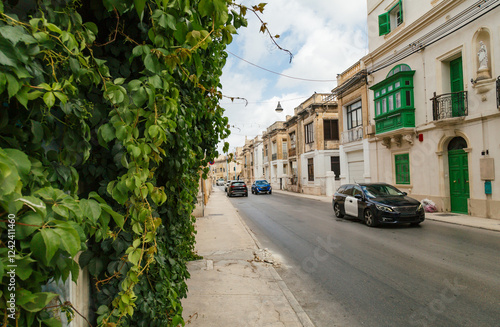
<point>370,129</point>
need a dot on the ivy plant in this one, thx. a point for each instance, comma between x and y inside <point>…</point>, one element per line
<point>109,111</point>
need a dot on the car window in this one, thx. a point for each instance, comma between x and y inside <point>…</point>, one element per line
<point>260,182</point>
<point>238,183</point>
<point>348,190</point>
<point>381,190</point>
<point>356,190</point>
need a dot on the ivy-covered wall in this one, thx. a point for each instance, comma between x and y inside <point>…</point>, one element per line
<point>109,109</point>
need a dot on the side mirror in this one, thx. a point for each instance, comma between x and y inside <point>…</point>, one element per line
<point>405,194</point>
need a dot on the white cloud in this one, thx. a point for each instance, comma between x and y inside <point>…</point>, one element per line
<point>325,36</point>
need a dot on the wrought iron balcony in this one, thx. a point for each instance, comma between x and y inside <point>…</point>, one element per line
<point>449,105</point>
<point>292,152</point>
<point>285,155</point>
<point>352,135</point>
<point>274,156</point>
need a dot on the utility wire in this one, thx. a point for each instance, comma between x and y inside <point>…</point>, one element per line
<point>268,70</point>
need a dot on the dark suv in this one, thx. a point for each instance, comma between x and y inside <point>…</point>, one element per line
<point>237,188</point>
<point>377,203</point>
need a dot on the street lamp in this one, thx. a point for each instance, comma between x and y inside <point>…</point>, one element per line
<point>279,108</point>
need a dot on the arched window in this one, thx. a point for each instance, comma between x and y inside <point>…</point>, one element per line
<point>457,143</point>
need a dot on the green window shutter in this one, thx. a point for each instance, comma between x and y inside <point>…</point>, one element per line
<point>401,11</point>
<point>402,163</point>
<point>384,24</point>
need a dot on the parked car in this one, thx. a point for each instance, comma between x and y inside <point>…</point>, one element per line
<point>220,182</point>
<point>377,203</point>
<point>226,185</point>
<point>261,186</point>
<point>237,188</point>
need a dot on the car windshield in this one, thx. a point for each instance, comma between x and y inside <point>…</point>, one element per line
<point>238,183</point>
<point>261,182</point>
<point>375,191</point>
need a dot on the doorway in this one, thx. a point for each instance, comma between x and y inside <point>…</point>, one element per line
<point>458,164</point>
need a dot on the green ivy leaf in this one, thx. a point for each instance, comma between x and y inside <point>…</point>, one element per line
<point>31,221</point>
<point>139,6</point>
<point>37,301</point>
<point>49,99</point>
<point>70,240</point>
<point>44,245</point>
<point>91,209</point>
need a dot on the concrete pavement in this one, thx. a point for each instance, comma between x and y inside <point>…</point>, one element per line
<point>235,284</point>
<point>446,217</point>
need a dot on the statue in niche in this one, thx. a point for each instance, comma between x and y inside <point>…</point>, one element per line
<point>482,56</point>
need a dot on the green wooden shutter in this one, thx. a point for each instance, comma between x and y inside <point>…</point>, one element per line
<point>401,11</point>
<point>402,163</point>
<point>384,24</point>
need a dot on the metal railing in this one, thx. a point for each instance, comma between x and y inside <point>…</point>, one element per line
<point>352,135</point>
<point>449,105</point>
<point>292,152</point>
<point>498,92</point>
<point>274,156</point>
<point>285,155</point>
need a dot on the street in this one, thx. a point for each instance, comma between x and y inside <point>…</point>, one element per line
<point>344,273</point>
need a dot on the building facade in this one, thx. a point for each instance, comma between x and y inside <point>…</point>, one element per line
<point>433,95</point>
<point>352,98</point>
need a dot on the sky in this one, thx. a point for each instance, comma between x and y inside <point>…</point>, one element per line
<point>325,37</point>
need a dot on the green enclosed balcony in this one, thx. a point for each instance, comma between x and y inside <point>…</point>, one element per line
<point>394,103</point>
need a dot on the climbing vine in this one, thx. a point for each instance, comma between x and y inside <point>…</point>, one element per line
<point>109,109</point>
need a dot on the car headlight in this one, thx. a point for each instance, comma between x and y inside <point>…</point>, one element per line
<point>384,208</point>
<point>420,208</point>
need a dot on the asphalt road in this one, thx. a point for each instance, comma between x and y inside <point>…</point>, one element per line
<point>344,273</point>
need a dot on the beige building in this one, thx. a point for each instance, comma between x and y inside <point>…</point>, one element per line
<point>313,134</point>
<point>433,74</point>
<point>275,143</point>
<point>352,98</point>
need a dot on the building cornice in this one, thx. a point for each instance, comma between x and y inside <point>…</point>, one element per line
<point>413,29</point>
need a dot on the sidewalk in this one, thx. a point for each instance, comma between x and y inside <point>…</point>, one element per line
<point>446,217</point>
<point>232,285</point>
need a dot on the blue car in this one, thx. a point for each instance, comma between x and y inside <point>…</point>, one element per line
<point>261,186</point>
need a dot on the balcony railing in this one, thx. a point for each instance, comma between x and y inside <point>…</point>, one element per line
<point>498,92</point>
<point>292,152</point>
<point>285,155</point>
<point>449,105</point>
<point>352,135</point>
<point>274,156</point>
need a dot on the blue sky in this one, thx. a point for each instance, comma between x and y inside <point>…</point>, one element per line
<point>325,36</point>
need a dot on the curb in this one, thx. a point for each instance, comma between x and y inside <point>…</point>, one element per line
<point>299,311</point>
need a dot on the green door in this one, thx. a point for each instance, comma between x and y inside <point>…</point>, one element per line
<point>459,180</point>
<point>457,85</point>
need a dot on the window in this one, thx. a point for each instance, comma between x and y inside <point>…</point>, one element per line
<point>310,169</point>
<point>354,115</point>
<point>292,140</point>
<point>390,20</point>
<point>331,130</point>
<point>335,167</point>
<point>394,108</point>
<point>309,133</point>
<point>402,163</point>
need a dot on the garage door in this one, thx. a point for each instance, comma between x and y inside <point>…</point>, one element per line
<point>355,165</point>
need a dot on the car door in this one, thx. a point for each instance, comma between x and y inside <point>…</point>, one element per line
<point>352,203</point>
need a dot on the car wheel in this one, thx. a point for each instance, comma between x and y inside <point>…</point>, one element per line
<point>336,209</point>
<point>246,194</point>
<point>270,192</point>
<point>370,219</point>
